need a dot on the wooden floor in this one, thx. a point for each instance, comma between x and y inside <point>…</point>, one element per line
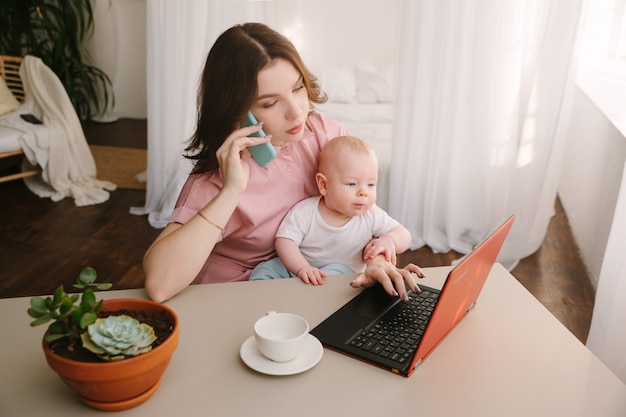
<point>44,244</point>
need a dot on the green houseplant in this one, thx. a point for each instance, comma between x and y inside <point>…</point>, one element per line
<point>113,352</point>
<point>54,30</point>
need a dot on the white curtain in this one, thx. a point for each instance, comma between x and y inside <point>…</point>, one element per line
<point>484,93</point>
<point>607,335</point>
<point>180,35</point>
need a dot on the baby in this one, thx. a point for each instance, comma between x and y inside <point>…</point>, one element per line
<point>325,235</point>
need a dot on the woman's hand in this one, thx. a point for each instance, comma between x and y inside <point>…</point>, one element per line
<point>193,241</point>
<point>392,279</point>
<point>233,157</point>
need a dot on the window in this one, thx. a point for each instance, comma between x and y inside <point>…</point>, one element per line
<point>602,58</point>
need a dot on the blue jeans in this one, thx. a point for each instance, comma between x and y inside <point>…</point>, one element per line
<point>274,269</point>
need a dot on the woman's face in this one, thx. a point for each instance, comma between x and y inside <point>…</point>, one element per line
<point>282,103</point>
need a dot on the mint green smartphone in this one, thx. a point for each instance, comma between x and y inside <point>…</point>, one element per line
<point>264,152</point>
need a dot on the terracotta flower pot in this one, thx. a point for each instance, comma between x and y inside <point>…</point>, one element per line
<point>118,385</point>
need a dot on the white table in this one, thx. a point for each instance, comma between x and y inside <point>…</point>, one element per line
<point>509,357</point>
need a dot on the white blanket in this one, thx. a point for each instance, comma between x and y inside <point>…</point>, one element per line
<point>60,149</point>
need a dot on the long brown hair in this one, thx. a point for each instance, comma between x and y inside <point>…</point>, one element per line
<point>228,86</point>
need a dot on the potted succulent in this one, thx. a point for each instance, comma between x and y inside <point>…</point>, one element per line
<point>112,353</point>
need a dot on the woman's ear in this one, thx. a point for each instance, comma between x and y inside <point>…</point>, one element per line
<point>320,179</point>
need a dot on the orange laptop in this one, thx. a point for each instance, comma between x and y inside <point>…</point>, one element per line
<point>397,335</point>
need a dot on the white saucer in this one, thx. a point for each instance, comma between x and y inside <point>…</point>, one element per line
<point>252,357</point>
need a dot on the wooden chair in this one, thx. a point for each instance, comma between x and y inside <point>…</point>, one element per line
<point>10,72</point>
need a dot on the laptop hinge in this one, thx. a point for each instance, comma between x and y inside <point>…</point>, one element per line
<point>418,363</point>
<point>471,307</point>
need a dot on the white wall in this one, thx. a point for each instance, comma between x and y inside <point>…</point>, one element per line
<point>590,179</point>
<point>322,36</point>
<point>118,47</point>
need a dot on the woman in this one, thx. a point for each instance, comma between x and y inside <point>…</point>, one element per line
<point>229,209</point>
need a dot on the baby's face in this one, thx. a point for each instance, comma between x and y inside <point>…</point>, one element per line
<point>351,183</point>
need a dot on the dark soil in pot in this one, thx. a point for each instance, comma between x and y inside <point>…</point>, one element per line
<point>160,322</point>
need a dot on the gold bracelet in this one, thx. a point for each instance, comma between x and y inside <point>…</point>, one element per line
<point>212,223</point>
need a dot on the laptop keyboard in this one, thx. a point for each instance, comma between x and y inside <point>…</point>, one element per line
<point>397,333</point>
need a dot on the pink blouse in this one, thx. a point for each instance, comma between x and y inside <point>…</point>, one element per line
<point>248,236</point>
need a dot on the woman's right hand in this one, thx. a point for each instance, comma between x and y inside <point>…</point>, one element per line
<point>393,279</point>
<point>166,274</point>
<point>233,157</point>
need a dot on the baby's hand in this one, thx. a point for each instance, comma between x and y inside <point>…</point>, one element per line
<point>383,245</point>
<point>311,275</point>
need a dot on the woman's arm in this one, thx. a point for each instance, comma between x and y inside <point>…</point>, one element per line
<point>177,255</point>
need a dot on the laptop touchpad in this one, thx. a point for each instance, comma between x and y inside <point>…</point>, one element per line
<point>370,304</point>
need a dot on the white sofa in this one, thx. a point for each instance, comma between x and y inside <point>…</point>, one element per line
<point>361,98</point>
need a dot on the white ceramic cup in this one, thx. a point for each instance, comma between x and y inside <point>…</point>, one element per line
<point>281,337</point>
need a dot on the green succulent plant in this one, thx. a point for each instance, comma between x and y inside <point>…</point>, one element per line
<point>71,313</point>
<point>118,337</point>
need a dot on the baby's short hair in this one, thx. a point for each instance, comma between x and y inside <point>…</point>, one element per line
<point>343,142</point>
